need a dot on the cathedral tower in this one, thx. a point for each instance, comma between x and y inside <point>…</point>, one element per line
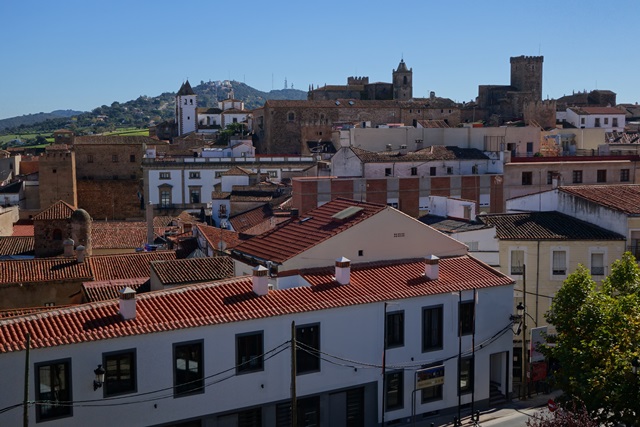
<point>403,82</point>
<point>186,114</point>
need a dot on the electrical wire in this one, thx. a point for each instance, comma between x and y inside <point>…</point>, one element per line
<point>107,402</point>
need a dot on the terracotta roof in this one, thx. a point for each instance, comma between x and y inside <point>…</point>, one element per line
<point>208,110</point>
<point>17,245</point>
<point>58,210</point>
<point>233,300</point>
<point>296,236</point>
<point>108,289</point>
<point>344,103</point>
<point>14,312</point>
<point>214,235</point>
<point>114,139</point>
<point>43,270</point>
<point>250,218</point>
<point>545,226</point>
<point>596,110</point>
<point>30,166</point>
<point>433,153</point>
<point>193,270</point>
<point>119,234</point>
<point>188,218</point>
<point>125,266</point>
<point>162,221</point>
<point>265,225</point>
<point>623,198</point>
<point>23,230</point>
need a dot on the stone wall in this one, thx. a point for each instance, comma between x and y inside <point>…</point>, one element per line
<point>113,200</point>
<point>109,161</point>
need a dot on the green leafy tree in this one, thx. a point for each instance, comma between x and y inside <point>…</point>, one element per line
<point>598,336</point>
<point>232,129</point>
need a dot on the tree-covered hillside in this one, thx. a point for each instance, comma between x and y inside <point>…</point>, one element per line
<point>143,111</point>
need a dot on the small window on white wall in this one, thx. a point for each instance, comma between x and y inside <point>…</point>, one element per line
<point>559,263</point>
<point>597,264</point>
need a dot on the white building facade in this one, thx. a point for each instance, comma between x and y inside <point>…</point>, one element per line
<point>229,361</point>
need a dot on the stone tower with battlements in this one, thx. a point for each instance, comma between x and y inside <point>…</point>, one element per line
<point>526,75</point>
<point>58,176</point>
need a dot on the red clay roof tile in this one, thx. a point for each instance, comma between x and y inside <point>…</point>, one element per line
<point>296,236</point>
<point>233,300</point>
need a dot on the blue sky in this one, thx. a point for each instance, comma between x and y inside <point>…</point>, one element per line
<point>79,55</point>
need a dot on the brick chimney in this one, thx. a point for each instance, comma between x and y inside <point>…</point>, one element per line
<point>128,303</point>
<point>343,270</point>
<point>431,267</point>
<point>260,280</point>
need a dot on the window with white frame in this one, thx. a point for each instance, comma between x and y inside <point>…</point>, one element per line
<point>559,262</point>
<point>597,264</point>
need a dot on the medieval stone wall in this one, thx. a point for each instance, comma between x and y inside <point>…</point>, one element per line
<point>112,200</point>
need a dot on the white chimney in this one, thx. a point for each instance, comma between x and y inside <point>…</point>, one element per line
<point>128,303</point>
<point>343,270</point>
<point>260,280</point>
<point>431,267</point>
<point>80,253</point>
<point>68,247</point>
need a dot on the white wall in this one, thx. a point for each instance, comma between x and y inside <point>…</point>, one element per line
<point>354,333</point>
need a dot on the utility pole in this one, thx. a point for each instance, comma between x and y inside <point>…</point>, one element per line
<point>294,399</point>
<point>384,362</point>
<point>524,332</point>
<point>25,408</point>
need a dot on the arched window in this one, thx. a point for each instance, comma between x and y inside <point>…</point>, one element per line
<point>404,80</point>
<point>57,234</point>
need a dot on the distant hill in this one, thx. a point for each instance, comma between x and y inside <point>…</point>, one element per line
<point>143,111</point>
<point>30,119</point>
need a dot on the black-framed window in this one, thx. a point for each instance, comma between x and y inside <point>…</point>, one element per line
<point>194,175</point>
<point>601,175</point>
<point>414,171</point>
<point>466,312</point>
<point>624,175</point>
<point>387,171</point>
<point>395,329</point>
<point>465,376</point>
<point>188,368</point>
<point>132,158</point>
<point>527,178</point>
<point>308,413</point>
<point>120,372</point>
<point>434,392</point>
<point>577,177</point>
<point>432,328</point>
<point>249,350</point>
<point>550,178</point>
<point>308,338</point>
<point>53,385</point>
<point>394,387</point>
<point>432,171</point>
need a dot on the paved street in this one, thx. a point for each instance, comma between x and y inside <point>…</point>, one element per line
<point>510,414</point>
